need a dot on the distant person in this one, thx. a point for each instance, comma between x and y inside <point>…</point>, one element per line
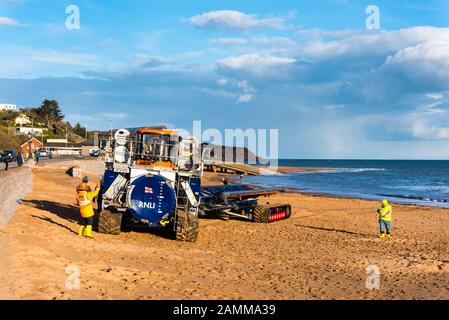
<point>8,159</point>
<point>225,182</point>
<point>84,200</point>
<point>19,159</point>
<point>37,155</point>
<point>50,154</point>
<point>100,196</point>
<point>385,212</point>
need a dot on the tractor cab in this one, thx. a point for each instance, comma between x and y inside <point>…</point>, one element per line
<point>155,147</point>
<point>153,178</point>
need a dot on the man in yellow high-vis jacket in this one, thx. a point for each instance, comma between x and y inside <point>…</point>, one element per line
<point>84,200</point>
<point>385,211</point>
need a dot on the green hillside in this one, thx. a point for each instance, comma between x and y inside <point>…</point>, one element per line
<point>48,117</point>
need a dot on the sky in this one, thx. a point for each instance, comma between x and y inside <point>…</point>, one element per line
<point>334,86</point>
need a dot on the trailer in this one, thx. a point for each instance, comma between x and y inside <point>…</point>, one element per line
<point>241,201</point>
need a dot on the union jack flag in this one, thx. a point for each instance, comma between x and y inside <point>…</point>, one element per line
<point>148,190</point>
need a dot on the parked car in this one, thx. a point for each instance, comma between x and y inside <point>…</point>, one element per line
<point>94,152</point>
<point>5,153</point>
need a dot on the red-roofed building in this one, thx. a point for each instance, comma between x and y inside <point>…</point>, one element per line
<point>32,144</point>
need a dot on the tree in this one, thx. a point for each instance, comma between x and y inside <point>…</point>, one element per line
<point>79,130</point>
<point>50,112</point>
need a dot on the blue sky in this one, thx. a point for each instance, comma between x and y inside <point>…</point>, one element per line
<point>309,68</point>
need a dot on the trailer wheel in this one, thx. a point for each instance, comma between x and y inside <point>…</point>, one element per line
<point>109,222</point>
<point>187,226</point>
<point>261,214</point>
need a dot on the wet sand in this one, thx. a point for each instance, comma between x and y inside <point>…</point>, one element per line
<point>321,252</point>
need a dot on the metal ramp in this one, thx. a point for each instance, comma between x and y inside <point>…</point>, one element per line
<point>231,167</point>
<point>236,191</point>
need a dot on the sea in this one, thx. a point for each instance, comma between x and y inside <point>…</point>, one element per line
<point>420,182</point>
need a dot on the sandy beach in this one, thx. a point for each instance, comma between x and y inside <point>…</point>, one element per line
<point>321,252</point>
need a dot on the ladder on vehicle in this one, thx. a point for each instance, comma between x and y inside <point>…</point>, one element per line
<point>185,198</point>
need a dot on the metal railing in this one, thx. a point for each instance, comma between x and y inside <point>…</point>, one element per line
<point>176,154</point>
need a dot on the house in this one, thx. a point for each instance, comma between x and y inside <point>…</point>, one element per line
<point>22,120</point>
<point>6,107</point>
<point>31,145</point>
<point>24,130</point>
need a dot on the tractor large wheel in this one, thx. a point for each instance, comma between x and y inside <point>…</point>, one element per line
<point>187,226</point>
<point>261,214</point>
<point>109,222</point>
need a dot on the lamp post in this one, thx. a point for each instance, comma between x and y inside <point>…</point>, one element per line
<point>110,126</point>
<point>30,136</point>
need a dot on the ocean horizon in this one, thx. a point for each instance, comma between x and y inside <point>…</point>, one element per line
<point>418,182</point>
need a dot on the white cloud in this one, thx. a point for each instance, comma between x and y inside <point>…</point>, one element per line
<point>435,96</point>
<point>222,81</point>
<point>234,19</point>
<point>245,98</point>
<point>430,51</point>
<point>328,44</point>
<point>229,42</point>
<point>254,62</point>
<point>257,66</point>
<point>432,108</point>
<point>27,62</point>
<point>423,130</point>
<point>5,21</point>
<point>436,53</point>
<point>218,93</point>
<point>274,41</point>
<point>248,92</point>
<point>425,64</point>
<point>242,90</point>
<point>65,58</point>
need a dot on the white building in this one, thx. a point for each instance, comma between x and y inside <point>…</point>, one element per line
<point>4,107</point>
<point>25,131</point>
<point>57,141</point>
<point>22,120</point>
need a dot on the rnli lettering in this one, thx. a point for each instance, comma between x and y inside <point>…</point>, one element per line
<point>149,205</point>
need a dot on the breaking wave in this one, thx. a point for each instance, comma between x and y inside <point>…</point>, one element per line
<point>348,170</point>
<point>440,189</point>
<point>405,197</point>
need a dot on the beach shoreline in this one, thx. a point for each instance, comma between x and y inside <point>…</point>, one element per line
<point>321,252</point>
<point>396,199</point>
